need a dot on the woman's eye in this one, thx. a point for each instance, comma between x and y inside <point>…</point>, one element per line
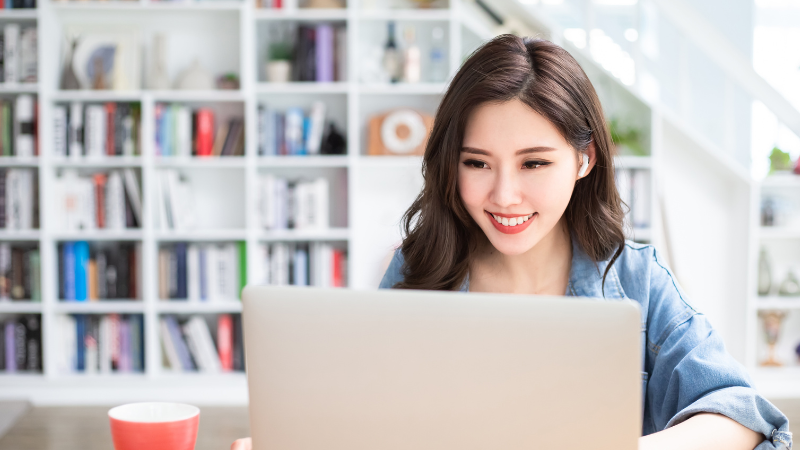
<point>534,164</point>
<point>474,163</point>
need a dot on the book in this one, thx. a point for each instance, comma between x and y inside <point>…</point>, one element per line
<point>110,137</point>
<point>75,136</point>
<point>187,364</point>
<point>24,125</point>
<point>60,125</point>
<point>324,53</point>
<point>81,250</point>
<point>11,60</point>
<point>205,132</point>
<point>168,347</point>
<point>225,341</point>
<point>28,55</point>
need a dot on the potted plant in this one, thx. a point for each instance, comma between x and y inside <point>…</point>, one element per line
<point>279,65</point>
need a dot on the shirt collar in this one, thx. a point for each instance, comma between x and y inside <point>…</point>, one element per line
<point>585,277</point>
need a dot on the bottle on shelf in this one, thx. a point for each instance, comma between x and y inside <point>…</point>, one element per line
<point>437,65</point>
<point>391,56</point>
<point>411,60</point>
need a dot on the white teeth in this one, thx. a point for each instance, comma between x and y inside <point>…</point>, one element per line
<point>505,221</point>
<point>497,218</point>
<point>520,219</point>
<point>512,221</point>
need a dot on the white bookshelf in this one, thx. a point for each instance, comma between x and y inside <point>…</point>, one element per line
<point>369,193</point>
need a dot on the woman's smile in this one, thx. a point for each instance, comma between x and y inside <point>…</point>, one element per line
<point>511,224</point>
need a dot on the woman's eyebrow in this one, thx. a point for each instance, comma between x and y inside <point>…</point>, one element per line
<point>523,151</point>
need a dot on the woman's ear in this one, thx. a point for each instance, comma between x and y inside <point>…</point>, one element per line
<point>587,159</point>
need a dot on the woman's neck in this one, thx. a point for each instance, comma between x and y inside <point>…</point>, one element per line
<point>544,269</point>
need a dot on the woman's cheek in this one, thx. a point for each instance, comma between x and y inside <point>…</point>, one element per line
<point>472,190</point>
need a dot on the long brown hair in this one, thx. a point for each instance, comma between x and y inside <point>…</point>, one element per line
<point>440,235</point>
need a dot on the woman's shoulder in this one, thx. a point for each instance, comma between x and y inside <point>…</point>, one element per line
<point>394,273</point>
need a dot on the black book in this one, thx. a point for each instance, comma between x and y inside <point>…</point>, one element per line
<point>112,262</point>
<point>122,271</point>
<point>180,260</point>
<point>34,343</point>
<point>20,344</point>
<point>26,273</point>
<point>35,199</point>
<point>309,63</point>
<point>238,343</point>
<point>101,262</point>
<point>235,129</point>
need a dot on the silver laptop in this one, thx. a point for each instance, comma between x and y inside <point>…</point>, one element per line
<point>336,369</point>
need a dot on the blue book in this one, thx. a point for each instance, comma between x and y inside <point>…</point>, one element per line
<point>159,113</point>
<point>201,253</point>
<point>68,274</point>
<point>9,4</point>
<point>180,256</point>
<point>300,267</point>
<point>180,344</point>
<point>80,340</point>
<point>306,133</point>
<point>81,271</point>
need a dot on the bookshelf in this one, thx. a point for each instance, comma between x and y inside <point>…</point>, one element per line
<point>368,194</point>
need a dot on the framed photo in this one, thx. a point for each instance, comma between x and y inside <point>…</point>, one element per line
<point>105,57</point>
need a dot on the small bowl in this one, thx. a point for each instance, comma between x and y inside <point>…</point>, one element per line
<point>154,426</point>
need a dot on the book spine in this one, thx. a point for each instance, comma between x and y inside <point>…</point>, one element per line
<point>205,132</point>
<point>242,267</point>
<point>75,136</point>
<point>60,130</point>
<point>238,343</point>
<point>110,141</point>
<point>24,126</point>
<point>180,257</point>
<point>34,262</point>
<point>69,270</point>
<point>100,180</point>
<point>81,270</point>
<point>33,339</point>
<point>324,53</point>
<point>10,351</point>
<point>11,53</point>
<point>80,333</point>
<point>225,341</point>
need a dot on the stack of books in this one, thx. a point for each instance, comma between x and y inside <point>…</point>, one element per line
<point>320,53</point>
<point>21,344</point>
<point>189,346</point>
<point>302,264</point>
<point>181,131</point>
<point>20,273</point>
<point>97,272</point>
<point>174,201</point>
<point>100,343</point>
<point>19,199</point>
<point>294,204</point>
<point>293,132</point>
<point>202,272</point>
<point>19,124</point>
<point>634,190</point>
<point>96,130</point>
<point>104,200</point>
<point>19,58</point>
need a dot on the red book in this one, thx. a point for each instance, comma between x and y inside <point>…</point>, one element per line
<point>100,198</point>
<point>225,341</point>
<point>338,272</point>
<point>205,132</point>
<point>111,109</point>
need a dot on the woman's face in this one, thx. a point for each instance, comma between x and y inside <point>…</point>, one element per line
<point>516,167</point>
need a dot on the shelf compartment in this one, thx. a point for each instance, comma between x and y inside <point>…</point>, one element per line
<point>331,234</point>
<point>304,161</point>
<point>169,306</point>
<point>301,14</point>
<point>19,235</point>
<point>199,161</point>
<point>201,235</point>
<point>98,162</point>
<point>20,307</point>
<point>99,235</point>
<point>100,307</point>
<point>303,87</point>
<point>86,95</point>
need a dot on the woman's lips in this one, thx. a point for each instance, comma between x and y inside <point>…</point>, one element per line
<point>507,229</point>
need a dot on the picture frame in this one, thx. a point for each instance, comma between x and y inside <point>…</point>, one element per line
<point>105,58</point>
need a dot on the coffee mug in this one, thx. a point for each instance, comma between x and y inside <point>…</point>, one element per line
<point>154,426</point>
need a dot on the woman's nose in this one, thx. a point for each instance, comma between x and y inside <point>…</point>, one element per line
<point>506,190</point>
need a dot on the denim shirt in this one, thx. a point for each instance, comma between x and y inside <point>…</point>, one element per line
<point>685,367</point>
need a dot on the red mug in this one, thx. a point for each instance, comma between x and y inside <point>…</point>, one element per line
<point>154,426</point>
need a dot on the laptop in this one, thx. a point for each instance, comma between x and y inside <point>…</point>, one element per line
<point>338,369</point>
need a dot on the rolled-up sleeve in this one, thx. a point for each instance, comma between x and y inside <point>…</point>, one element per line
<point>691,372</point>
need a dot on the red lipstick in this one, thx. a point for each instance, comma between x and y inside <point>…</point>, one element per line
<point>507,229</point>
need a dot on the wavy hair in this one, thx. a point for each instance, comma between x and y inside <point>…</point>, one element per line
<point>440,235</point>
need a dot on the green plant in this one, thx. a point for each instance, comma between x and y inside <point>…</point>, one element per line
<point>280,51</point>
<point>779,160</point>
<point>630,138</point>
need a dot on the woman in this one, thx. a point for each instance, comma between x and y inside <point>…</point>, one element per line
<point>519,197</point>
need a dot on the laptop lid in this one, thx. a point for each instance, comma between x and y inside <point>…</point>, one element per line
<point>336,369</point>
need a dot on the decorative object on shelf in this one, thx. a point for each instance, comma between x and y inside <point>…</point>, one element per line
<point>437,64</point>
<point>627,140</point>
<point>106,58</point>
<point>790,286</point>
<point>764,273</point>
<point>411,59</point>
<point>779,161</point>
<point>229,81</point>
<point>69,80</point>
<point>195,77</point>
<point>391,56</point>
<point>399,132</point>
<point>334,142</point>
<point>279,67</point>
<point>772,329</point>
<point>158,78</point>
